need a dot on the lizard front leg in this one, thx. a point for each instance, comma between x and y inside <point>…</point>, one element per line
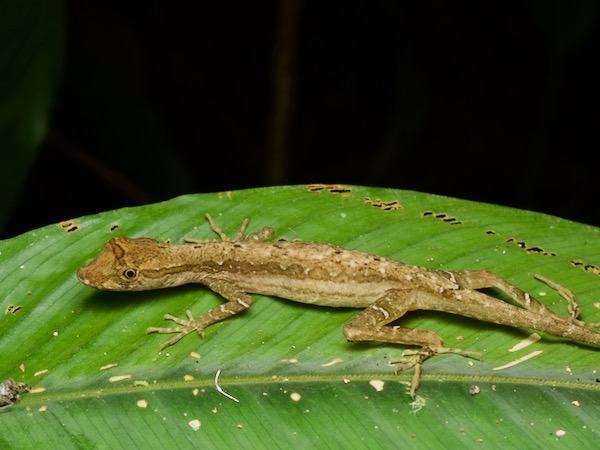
<point>261,235</point>
<point>372,325</point>
<point>237,302</point>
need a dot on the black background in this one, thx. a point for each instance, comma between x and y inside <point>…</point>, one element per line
<point>489,101</point>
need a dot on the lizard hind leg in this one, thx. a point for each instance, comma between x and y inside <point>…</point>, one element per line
<point>372,324</point>
<point>479,279</point>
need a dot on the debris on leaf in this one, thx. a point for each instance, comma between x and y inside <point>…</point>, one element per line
<point>10,391</point>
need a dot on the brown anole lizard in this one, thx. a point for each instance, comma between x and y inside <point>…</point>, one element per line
<point>325,275</point>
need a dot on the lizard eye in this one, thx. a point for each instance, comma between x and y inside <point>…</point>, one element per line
<point>130,274</point>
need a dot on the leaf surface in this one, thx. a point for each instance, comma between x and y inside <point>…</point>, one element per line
<point>102,383</point>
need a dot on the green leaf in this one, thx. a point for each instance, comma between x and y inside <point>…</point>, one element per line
<point>297,379</point>
<point>31,54</point>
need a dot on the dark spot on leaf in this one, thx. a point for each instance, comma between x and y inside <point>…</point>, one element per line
<point>530,249</point>
<point>392,205</point>
<point>69,226</point>
<point>585,267</point>
<point>12,309</point>
<point>443,217</point>
<point>332,188</point>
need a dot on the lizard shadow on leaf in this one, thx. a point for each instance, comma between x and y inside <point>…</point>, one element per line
<point>107,300</point>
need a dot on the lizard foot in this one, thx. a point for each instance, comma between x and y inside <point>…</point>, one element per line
<point>415,358</point>
<point>184,328</point>
<point>573,307</point>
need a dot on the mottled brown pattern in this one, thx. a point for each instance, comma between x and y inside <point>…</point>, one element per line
<point>325,275</point>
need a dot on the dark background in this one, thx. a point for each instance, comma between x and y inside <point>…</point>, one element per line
<point>490,101</point>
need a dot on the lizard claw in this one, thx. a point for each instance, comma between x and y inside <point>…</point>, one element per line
<point>410,359</point>
<point>415,358</point>
<point>183,328</point>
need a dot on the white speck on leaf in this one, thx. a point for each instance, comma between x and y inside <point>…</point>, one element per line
<point>377,385</point>
<point>195,424</point>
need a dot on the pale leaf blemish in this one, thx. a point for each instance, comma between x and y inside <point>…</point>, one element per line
<point>333,362</point>
<point>117,378</point>
<point>143,404</point>
<point>108,366</point>
<point>195,424</point>
<point>40,372</point>
<point>295,396</point>
<point>519,360</point>
<point>531,339</point>
<point>377,385</point>
<point>474,390</point>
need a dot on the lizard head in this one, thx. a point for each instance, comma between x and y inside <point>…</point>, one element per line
<point>124,265</point>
